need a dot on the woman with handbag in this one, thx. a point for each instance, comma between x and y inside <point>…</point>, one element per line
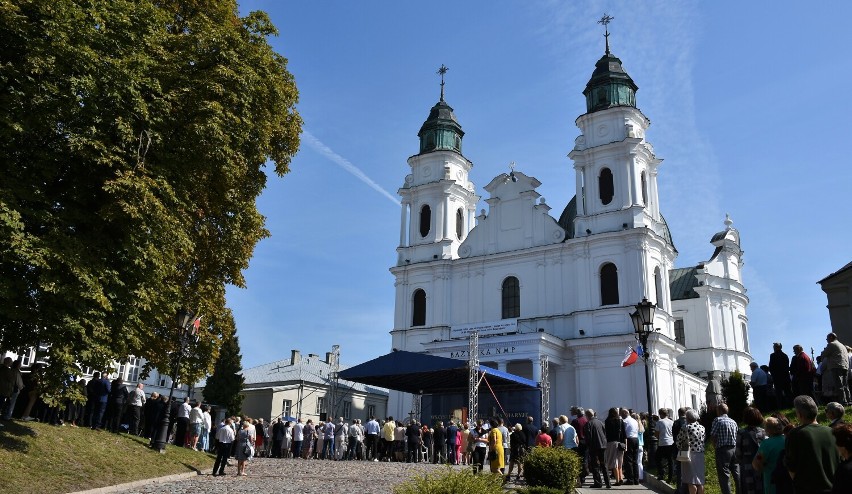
<point>496,458</point>
<point>690,445</point>
<point>245,448</point>
<point>616,444</point>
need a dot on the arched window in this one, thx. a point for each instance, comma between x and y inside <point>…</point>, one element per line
<point>425,220</point>
<point>644,189</point>
<point>460,223</point>
<point>609,284</point>
<point>658,288</point>
<point>511,298</point>
<point>418,308</point>
<point>745,336</point>
<point>606,186</point>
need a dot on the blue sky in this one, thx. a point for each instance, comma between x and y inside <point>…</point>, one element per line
<point>747,106</point>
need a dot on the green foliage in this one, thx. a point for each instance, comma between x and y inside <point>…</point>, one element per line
<point>224,385</point>
<point>451,481</point>
<point>540,490</point>
<point>552,467</point>
<point>735,393</point>
<point>133,137</point>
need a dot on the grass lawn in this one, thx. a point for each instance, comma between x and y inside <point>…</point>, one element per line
<point>39,458</point>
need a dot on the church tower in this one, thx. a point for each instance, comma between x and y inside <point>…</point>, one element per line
<point>438,198</point>
<point>616,169</point>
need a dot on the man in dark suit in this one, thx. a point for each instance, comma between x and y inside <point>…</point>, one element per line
<point>779,368</point>
<point>596,447</point>
<point>440,436</point>
<point>277,437</point>
<point>102,390</point>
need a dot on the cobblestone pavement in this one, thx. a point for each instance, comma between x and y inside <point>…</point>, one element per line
<point>302,476</point>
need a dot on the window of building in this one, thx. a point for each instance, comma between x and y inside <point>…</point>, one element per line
<point>606,186</point>
<point>609,284</point>
<point>133,366</point>
<point>644,189</point>
<point>162,381</point>
<point>460,224</point>
<point>371,411</point>
<point>287,408</point>
<point>694,402</point>
<point>425,220</point>
<point>418,312</point>
<point>745,337</point>
<point>320,404</point>
<point>680,334</point>
<point>511,298</point>
<point>347,409</point>
<point>27,357</point>
<point>658,288</point>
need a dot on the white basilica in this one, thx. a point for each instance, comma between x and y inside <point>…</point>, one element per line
<point>535,287</point>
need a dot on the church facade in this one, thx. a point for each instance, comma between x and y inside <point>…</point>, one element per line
<point>534,286</point>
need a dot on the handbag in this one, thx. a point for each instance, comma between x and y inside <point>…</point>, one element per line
<point>492,455</point>
<point>683,455</point>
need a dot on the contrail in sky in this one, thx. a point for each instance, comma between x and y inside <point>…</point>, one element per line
<point>344,163</point>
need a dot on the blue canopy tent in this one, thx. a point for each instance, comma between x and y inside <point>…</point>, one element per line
<point>427,374</point>
<point>444,382</point>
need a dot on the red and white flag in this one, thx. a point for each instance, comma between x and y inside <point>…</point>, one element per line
<point>630,357</point>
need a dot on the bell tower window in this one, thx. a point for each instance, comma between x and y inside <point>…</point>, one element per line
<point>606,186</point>
<point>644,189</point>
<point>609,284</point>
<point>418,308</point>
<point>425,220</point>
<point>460,224</point>
<point>511,298</point>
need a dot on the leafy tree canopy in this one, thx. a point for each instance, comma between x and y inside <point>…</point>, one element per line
<point>133,140</point>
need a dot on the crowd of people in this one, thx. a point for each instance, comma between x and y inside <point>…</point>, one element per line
<point>774,385</point>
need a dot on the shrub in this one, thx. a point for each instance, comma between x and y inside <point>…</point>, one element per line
<point>735,393</point>
<point>558,468</point>
<point>450,481</point>
<point>540,490</point>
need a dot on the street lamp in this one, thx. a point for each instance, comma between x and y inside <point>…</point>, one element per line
<point>643,323</point>
<point>185,320</point>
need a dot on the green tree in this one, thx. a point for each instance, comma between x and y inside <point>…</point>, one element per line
<point>224,385</point>
<point>735,393</point>
<point>133,140</point>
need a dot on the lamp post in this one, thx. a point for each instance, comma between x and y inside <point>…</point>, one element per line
<point>643,324</point>
<point>187,333</point>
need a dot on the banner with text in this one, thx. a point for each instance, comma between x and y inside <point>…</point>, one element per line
<point>484,328</point>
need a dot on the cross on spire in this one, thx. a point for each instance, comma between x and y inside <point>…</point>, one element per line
<point>605,20</point>
<point>441,71</point>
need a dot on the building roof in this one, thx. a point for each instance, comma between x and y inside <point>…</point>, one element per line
<point>308,369</point>
<point>845,268</point>
<point>682,283</point>
<point>566,219</point>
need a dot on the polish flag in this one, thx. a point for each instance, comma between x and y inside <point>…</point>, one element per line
<point>630,357</point>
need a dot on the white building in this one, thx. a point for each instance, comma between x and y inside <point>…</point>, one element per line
<point>536,287</point>
<point>303,387</point>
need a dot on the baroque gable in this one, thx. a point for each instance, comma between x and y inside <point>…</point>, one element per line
<point>518,218</point>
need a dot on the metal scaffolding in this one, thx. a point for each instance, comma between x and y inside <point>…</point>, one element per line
<point>473,385</point>
<point>416,405</point>
<point>545,390</point>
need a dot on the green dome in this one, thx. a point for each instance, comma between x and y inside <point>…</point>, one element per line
<point>441,131</point>
<point>609,86</point>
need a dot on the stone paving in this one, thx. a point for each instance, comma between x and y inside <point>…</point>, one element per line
<point>268,475</point>
<point>302,476</point>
